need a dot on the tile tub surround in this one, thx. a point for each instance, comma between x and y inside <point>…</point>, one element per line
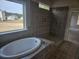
<point>43,51</point>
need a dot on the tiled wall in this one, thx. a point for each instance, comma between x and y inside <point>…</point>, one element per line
<point>59,21</point>
<point>40,20</point>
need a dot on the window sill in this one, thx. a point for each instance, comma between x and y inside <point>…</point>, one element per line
<point>12,31</point>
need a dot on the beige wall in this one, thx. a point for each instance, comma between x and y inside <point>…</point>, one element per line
<point>73,6</point>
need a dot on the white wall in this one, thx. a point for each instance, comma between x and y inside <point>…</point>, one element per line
<point>73,21</point>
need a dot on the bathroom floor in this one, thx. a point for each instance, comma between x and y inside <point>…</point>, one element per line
<point>65,49</point>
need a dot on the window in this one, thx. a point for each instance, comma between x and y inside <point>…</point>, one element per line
<point>78,20</point>
<point>11,16</point>
<point>44,6</point>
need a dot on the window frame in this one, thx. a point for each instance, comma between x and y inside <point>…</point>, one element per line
<point>18,30</point>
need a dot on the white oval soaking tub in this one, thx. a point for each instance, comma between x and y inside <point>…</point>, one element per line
<point>20,48</point>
